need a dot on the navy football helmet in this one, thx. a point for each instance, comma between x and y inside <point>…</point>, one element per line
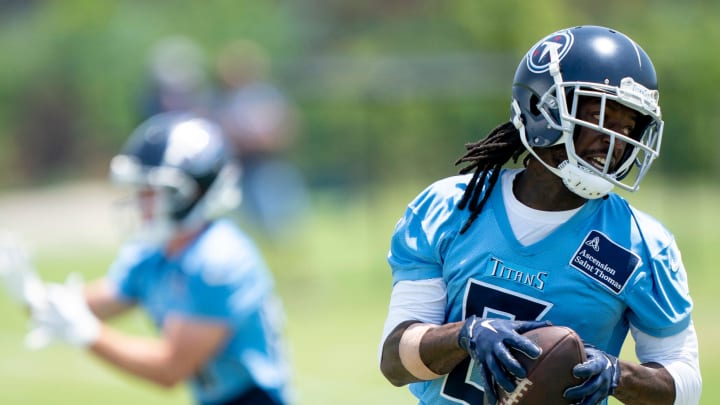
<point>179,166</point>
<point>588,61</point>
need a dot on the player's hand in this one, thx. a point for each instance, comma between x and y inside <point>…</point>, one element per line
<point>17,274</point>
<point>601,372</point>
<point>63,317</point>
<point>489,341</point>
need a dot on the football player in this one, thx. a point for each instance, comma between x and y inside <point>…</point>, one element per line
<point>480,258</point>
<point>201,280</point>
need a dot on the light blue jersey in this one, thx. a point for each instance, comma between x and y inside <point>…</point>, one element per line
<point>606,267</point>
<point>220,276</point>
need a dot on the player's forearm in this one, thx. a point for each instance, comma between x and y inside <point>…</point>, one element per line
<point>147,358</point>
<point>648,384</point>
<point>440,349</point>
<point>103,301</point>
<point>439,352</point>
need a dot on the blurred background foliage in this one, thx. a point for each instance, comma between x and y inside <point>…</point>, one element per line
<point>387,91</point>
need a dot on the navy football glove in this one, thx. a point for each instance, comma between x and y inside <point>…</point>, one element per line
<point>489,341</point>
<point>601,372</point>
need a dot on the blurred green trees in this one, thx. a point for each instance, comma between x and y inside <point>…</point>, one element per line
<point>386,90</point>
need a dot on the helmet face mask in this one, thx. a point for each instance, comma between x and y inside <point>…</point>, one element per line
<point>579,64</point>
<point>145,215</point>
<point>175,163</point>
<point>178,189</point>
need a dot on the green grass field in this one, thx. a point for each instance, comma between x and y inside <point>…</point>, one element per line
<point>335,284</point>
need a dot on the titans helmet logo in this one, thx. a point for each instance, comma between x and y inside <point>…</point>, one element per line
<point>538,58</point>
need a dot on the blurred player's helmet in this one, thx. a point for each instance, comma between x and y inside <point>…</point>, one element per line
<point>587,61</point>
<point>181,173</point>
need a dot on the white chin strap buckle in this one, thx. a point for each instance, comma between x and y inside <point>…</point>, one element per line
<point>583,182</point>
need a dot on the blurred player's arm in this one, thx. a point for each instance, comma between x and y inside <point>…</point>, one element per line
<point>184,348</point>
<point>103,300</point>
<point>72,314</point>
<point>180,352</point>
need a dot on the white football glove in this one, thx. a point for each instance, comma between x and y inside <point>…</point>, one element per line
<point>64,316</point>
<point>17,274</point>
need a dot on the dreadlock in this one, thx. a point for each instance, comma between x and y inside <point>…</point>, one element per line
<point>484,157</point>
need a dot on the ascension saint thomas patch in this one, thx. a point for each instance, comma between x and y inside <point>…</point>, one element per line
<point>603,260</point>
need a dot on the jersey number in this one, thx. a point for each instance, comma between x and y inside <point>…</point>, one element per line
<point>486,300</point>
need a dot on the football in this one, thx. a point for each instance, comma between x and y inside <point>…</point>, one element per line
<point>550,374</point>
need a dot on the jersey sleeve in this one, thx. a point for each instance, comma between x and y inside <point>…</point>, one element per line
<point>229,282</point>
<point>125,273</point>
<point>421,236</point>
<point>228,297</point>
<point>660,304</point>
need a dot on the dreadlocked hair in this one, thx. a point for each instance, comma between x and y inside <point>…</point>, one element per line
<point>486,157</point>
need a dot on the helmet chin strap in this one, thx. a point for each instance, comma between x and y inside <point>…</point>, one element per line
<point>582,181</point>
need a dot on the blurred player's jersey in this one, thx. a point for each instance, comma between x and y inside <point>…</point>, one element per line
<point>607,266</point>
<point>219,277</point>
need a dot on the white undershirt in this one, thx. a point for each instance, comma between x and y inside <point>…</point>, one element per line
<point>528,224</point>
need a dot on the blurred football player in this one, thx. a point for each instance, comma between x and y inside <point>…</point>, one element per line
<point>480,258</point>
<point>262,124</point>
<point>200,278</point>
